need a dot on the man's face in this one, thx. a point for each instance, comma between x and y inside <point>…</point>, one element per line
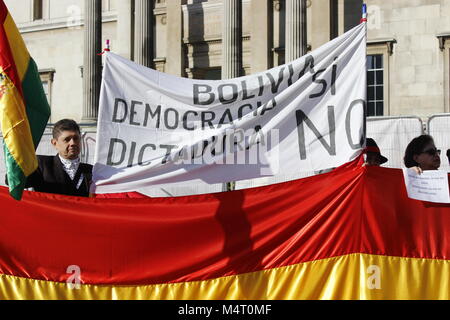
<point>68,144</point>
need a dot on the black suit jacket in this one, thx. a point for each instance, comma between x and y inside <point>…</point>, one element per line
<point>51,177</point>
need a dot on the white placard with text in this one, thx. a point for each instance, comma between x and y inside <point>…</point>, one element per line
<point>430,185</point>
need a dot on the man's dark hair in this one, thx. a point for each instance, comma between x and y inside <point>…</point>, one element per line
<point>65,125</point>
<point>448,154</point>
<point>416,147</point>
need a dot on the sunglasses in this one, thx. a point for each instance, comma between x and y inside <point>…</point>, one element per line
<point>432,151</point>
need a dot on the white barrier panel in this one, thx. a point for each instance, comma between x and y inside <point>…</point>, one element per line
<point>87,155</point>
<point>45,147</point>
<point>392,135</point>
<point>88,146</point>
<point>439,129</point>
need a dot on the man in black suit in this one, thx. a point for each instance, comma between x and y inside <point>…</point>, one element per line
<point>63,173</point>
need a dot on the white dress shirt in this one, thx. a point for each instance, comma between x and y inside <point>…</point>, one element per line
<point>71,167</point>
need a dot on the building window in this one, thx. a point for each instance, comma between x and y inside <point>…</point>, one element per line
<point>46,76</point>
<point>213,74</point>
<point>334,19</point>
<point>375,85</point>
<point>45,85</point>
<point>38,10</point>
<point>352,13</point>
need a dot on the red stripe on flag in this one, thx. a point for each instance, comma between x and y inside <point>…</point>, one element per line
<point>161,240</point>
<point>3,11</point>
<point>6,57</point>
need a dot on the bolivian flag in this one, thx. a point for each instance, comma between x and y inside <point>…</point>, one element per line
<point>349,234</point>
<point>24,110</point>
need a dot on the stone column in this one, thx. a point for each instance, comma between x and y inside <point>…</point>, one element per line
<point>174,46</point>
<point>125,28</point>
<point>321,18</point>
<point>261,35</point>
<point>92,66</point>
<point>341,13</point>
<point>231,48</point>
<point>232,39</point>
<point>143,32</point>
<point>295,29</point>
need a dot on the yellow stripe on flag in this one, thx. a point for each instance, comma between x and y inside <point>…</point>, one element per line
<point>17,45</point>
<point>353,276</point>
<point>16,129</point>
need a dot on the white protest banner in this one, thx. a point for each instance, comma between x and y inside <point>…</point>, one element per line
<point>430,185</point>
<point>158,129</point>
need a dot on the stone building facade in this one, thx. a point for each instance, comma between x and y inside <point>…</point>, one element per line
<point>408,43</point>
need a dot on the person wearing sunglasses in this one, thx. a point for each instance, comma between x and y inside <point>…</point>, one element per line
<point>421,154</point>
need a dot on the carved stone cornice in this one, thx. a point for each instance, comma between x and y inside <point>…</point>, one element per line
<point>209,41</point>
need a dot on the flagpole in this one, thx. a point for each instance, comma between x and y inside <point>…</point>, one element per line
<point>364,13</point>
<point>364,20</point>
<point>106,49</point>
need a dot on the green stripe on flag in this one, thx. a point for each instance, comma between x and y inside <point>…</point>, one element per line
<point>36,104</point>
<point>38,112</point>
<point>16,178</point>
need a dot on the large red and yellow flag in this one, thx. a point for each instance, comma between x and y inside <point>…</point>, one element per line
<point>24,110</point>
<point>349,234</point>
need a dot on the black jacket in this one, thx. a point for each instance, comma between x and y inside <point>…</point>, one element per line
<point>50,177</point>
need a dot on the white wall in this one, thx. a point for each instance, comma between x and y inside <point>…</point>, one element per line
<point>56,42</point>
